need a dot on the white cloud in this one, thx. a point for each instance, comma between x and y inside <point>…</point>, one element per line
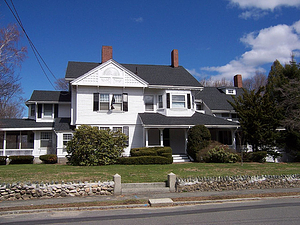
<point>258,8</point>
<point>194,73</point>
<point>138,20</point>
<point>267,45</point>
<point>265,4</point>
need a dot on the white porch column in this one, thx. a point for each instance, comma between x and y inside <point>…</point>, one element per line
<point>4,144</point>
<point>147,138</point>
<point>161,132</point>
<point>186,139</point>
<point>233,139</point>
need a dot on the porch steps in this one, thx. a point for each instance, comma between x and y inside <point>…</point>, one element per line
<point>157,187</point>
<point>180,158</point>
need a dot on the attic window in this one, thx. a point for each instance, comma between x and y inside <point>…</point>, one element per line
<point>230,91</point>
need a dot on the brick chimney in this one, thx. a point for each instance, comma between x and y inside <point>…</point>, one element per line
<point>238,82</point>
<point>174,58</point>
<point>106,53</point>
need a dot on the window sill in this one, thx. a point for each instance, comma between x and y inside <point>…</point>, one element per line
<point>109,111</point>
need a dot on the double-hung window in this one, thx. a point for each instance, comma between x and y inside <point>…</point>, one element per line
<point>66,139</point>
<point>48,110</point>
<point>46,139</point>
<point>45,110</point>
<point>116,102</point>
<point>32,110</point>
<point>149,101</point>
<point>160,102</point>
<point>106,102</point>
<point>178,101</point>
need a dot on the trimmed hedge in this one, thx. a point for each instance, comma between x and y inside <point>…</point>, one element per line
<point>143,160</point>
<point>49,159</point>
<point>21,159</point>
<point>145,155</point>
<point>3,160</point>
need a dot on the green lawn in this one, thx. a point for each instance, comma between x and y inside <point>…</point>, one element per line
<point>137,173</point>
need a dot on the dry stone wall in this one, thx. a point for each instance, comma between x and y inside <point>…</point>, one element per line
<point>24,191</point>
<point>237,183</point>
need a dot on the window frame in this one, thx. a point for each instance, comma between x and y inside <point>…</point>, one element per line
<point>178,101</point>
<point>45,139</point>
<point>149,103</point>
<point>104,102</point>
<point>66,140</point>
<point>160,101</point>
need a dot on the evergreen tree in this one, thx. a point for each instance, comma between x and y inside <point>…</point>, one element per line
<point>258,117</point>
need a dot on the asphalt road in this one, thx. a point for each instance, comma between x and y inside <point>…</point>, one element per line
<point>265,211</point>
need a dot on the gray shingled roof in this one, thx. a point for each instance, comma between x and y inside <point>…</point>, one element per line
<point>60,124</point>
<point>53,96</point>
<point>23,123</point>
<point>196,119</point>
<point>215,99</point>
<point>153,74</point>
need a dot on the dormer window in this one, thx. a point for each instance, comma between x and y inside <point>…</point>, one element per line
<point>47,111</point>
<point>230,91</point>
<point>32,110</point>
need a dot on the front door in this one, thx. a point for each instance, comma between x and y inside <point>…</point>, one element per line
<point>177,141</point>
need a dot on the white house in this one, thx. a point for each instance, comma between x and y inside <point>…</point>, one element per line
<point>154,105</point>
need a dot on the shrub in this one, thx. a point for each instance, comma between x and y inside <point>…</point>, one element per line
<point>146,155</point>
<point>198,138</point>
<point>21,159</point>
<point>144,160</point>
<point>49,159</point>
<point>3,160</point>
<point>274,154</point>
<point>91,146</point>
<point>219,155</point>
<point>297,157</point>
<point>200,156</point>
<point>259,156</point>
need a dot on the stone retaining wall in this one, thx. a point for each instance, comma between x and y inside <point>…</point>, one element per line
<point>24,191</point>
<point>237,183</point>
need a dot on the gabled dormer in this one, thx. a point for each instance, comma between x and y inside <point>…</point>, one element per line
<point>45,106</point>
<point>228,90</point>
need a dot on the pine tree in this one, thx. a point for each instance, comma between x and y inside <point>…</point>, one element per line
<point>258,117</point>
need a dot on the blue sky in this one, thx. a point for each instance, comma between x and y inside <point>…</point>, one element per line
<point>215,38</point>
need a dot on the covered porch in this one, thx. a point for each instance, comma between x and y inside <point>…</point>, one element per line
<point>160,130</point>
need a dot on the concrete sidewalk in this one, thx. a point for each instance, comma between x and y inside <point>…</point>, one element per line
<point>146,196</point>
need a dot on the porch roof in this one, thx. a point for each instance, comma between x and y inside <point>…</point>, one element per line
<point>60,124</point>
<point>157,120</point>
<point>22,124</point>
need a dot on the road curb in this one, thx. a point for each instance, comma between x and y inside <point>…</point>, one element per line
<point>175,203</point>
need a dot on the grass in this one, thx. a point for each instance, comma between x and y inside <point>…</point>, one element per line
<point>137,173</point>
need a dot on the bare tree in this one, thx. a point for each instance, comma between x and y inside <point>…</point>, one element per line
<point>216,83</point>
<point>257,81</point>
<point>11,57</point>
<point>61,84</point>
